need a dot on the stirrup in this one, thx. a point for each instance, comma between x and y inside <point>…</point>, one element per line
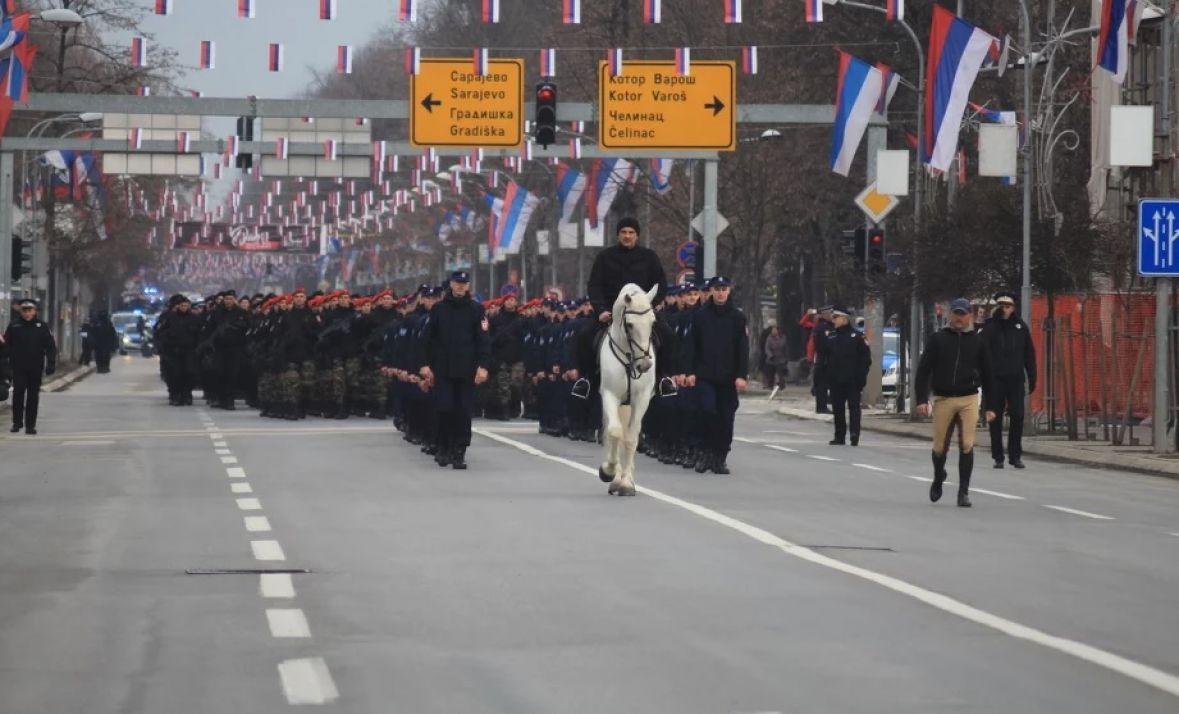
<point>667,387</point>
<point>581,388</point>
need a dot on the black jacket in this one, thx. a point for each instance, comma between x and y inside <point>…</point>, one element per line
<point>30,346</point>
<point>177,333</point>
<point>955,364</point>
<point>843,357</point>
<point>721,350</point>
<point>1012,351</point>
<point>507,337</point>
<point>615,267</point>
<point>456,340</point>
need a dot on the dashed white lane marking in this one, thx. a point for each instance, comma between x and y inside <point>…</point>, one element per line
<point>745,440</point>
<point>1075,512</point>
<point>267,550</point>
<point>998,494</point>
<point>210,428</point>
<point>870,467</point>
<point>1175,534</point>
<point>216,436</point>
<point>235,472</point>
<point>95,442</point>
<point>276,585</point>
<point>240,487</point>
<point>222,452</point>
<point>249,504</point>
<point>821,458</point>
<point>307,681</point>
<point>229,459</point>
<point>257,524</point>
<point>220,445</point>
<point>1146,674</point>
<point>787,449</point>
<point>926,479</point>
<point>287,623</point>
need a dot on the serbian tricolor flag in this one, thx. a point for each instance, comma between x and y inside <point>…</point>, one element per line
<point>661,174</point>
<point>683,61</point>
<point>143,91</point>
<point>13,30</point>
<point>894,10</point>
<point>135,138</point>
<point>344,59</point>
<point>491,11</point>
<point>163,7</point>
<point>479,61</point>
<point>327,9</point>
<point>614,58</point>
<point>856,94</point>
<point>814,10</point>
<point>957,50</point>
<point>208,54</point>
<point>518,206</point>
<point>548,63</point>
<point>245,8</point>
<point>281,147</point>
<point>575,148</point>
<point>274,57</point>
<point>570,186</point>
<point>571,12</point>
<point>20,63</point>
<point>732,11</point>
<point>749,59</point>
<point>889,80</point>
<point>1113,42</point>
<point>183,142</point>
<point>138,52</point>
<point>652,11</point>
<point>407,10</point>
<point>329,149</point>
<point>232,145</point>
<point>413,60</point>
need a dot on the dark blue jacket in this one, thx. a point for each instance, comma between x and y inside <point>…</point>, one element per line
<point>721,350</point>
<point>456,338</point>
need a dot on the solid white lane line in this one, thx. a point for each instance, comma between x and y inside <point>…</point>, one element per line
<point>870,467</point>
<point>249,504</point>
<point>787,449</point>
<point>229,459</point>
<point>220,445</point>
<point>235,472</point>
<point>222,452</point>
<point>1164,681</point>
<point>307,681</point>
<point>276,585</point>
<point>1075,512</point>
<point>267,550</point>
<point>1175,534</point>
<point>87,442</point>
<point>998,494</point>
<point>744,440</point>
<point>287,623</point>
<point>240,487</point>
<point>257,524</point>
<point>926,479</point>
<point>821,458</point>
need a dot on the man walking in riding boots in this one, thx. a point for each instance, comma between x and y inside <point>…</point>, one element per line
<point>719,370</point>
<point>615,267</point>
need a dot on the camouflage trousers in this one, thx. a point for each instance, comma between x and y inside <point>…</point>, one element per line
<point>267,389</point>
<point>509,388</point>
<point>307,381</point>
<point>287,388</point>
<point>332,386</point>
<point>372,390</point>
<point>352,378</point>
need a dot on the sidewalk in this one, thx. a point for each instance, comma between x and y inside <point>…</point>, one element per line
<point>797,402</point>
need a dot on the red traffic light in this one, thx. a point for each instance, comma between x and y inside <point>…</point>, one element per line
<point>877,238</point>
<point>545,94</point>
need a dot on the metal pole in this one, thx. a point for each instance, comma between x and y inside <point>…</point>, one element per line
<point>874,305</point>
<point>5,236</point>
<point>709,209</point>
<point>580,258</point>
<point>1025,291</point>
<point>1162,310</point>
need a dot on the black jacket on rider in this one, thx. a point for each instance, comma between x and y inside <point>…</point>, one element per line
<point>955,364</point>
<point>617,266</point>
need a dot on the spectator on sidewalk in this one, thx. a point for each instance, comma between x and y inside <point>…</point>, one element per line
<point>819,323</point>
<point>1012,356</point>
<point>775,359</point>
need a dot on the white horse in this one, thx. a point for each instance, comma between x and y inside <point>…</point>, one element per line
<point>627,365</point>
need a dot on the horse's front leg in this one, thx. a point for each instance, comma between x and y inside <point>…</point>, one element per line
<point>612,432</point>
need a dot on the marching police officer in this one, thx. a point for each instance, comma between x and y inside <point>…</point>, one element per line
<point>719,370</point>
<point>458,353</point>
<point>177,336</point>
<point>31,353</point>
<point>1012,356</point>
<point>842,361</point>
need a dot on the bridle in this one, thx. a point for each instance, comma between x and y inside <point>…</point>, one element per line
<point>633,351</point>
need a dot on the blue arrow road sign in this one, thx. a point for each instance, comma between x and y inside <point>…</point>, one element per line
<point>1158,237</point>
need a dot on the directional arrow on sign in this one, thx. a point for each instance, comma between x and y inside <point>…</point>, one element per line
<point>716,106</point>
<point>429,102</point>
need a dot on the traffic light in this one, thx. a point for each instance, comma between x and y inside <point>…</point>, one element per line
<point>22,257</point>
<point>876,263</point>
<point>852,246</point>
<point>245,132</point>
<point>545,120</point>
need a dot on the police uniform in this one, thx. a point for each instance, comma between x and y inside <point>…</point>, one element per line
<point>1013,355</point>
<point>32,352</point>
<point>842,361</point>
<point>720,357</point>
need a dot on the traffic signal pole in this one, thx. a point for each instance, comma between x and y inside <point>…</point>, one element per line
<point>6,162</point>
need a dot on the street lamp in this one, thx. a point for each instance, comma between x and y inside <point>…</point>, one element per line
<point>62,17</point>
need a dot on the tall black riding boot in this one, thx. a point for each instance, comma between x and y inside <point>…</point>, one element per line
<point>965,469</point>
<point>939,476</point>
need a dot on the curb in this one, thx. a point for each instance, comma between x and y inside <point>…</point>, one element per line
<point>1052,452</point>
<point>61,383</point>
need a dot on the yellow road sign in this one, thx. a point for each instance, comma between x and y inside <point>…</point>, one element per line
<point>876,205</point>
<point>649,106</point>
<point>451,105</point>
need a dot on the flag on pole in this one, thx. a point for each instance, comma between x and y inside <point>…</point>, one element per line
<point>479,61</point>
<point>232,145</point>
<point>163,7</point>
<point>245,8</point>
<point>143,91</point>
<point>13,30</point>
<point>606,177</point>
<point>344,59</point>
<point>491,11</point>
<point>614,57</point>
<point>571,12</point>
<point>683,61</point>
<point>1113,41</point>
<point>138,52</point>
<point>183,142</point>
<point>518,207</point>
<point>327,9</point>
<point>208,54</point>
<point>329,149</point>
<point>20,63</point>
<point>749,59</point>
<point>732,11</point>
<point>407,10</point>
<point>957,50</point>
<point>575,148</point>
<point>814,10</point>
<point>135,138</point>
<point>413,60</point>
<point>570,187</point>
<point>856,94</point>
<point>894,10</point>
<point>890,80</point>
<point>1134,18</point>
<point>281,147</point>
<point>275,56</point>
<point>548,63</point>
<point>652,11</point>
<point>661,175</point>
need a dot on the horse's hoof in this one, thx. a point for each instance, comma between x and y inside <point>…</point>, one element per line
<point>626,490</point>
<point>605,477</point>
<point>614,488</point>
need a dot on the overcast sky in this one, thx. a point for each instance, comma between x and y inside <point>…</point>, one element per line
<point>241,59</point>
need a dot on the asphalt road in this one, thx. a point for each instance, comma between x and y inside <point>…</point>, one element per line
<point>797,584</point>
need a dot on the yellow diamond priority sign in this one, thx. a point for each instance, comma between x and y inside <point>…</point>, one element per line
<point>876,205</point>
<point>651,106</point>
<point>451,105</point>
